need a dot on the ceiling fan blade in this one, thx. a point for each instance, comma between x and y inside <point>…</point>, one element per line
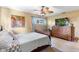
<point>44,10</point>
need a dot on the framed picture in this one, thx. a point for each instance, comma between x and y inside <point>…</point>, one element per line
<point>17,21</point>
<point>62,22</point>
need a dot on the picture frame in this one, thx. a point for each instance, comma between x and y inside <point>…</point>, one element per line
<point>17,21</point>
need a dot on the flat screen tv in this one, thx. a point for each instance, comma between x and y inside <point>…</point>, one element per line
<point>62,22</point>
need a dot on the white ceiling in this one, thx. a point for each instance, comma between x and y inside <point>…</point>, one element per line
<point>56,9</point>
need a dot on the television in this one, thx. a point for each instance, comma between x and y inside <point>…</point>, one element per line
<point>62,22</point>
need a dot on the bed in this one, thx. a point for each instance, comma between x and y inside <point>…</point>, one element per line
<point>27,41</point>
<point>31,41</point>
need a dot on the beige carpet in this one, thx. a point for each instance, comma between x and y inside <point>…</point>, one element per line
<point>49,49</point>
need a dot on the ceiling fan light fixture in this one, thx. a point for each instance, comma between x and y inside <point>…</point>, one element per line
<point>46,10</point>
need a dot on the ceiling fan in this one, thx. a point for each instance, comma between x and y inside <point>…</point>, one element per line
<point>45,10</point>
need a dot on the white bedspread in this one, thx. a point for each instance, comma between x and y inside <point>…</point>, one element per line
<point>27,41</point>
<point>30,41</point>
<point>27,37</point>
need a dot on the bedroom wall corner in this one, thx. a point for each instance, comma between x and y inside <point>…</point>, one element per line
<point>0,15</point>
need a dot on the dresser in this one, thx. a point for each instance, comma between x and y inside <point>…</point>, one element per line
<point>64,32</point>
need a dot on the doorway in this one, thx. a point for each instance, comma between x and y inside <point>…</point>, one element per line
<point>38,23</point>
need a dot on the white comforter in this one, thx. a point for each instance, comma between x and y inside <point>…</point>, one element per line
<point>27,37</point>
<point>31,41</point>
<point>27,41</point>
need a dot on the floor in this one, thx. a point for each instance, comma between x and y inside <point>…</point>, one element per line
<point>49,49</point>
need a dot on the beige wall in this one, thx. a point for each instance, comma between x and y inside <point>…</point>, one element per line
<point>0,16</point>
<point>6,19</point>
<point>73,16</point>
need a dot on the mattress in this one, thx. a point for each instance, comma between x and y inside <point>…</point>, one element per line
<point>31,41</point>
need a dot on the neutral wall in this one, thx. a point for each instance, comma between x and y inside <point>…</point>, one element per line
<point>6,20</point>
<point>73,16</point>
<point>0,15</point>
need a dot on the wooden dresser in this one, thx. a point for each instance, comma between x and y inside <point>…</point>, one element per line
<point>64,32</point>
